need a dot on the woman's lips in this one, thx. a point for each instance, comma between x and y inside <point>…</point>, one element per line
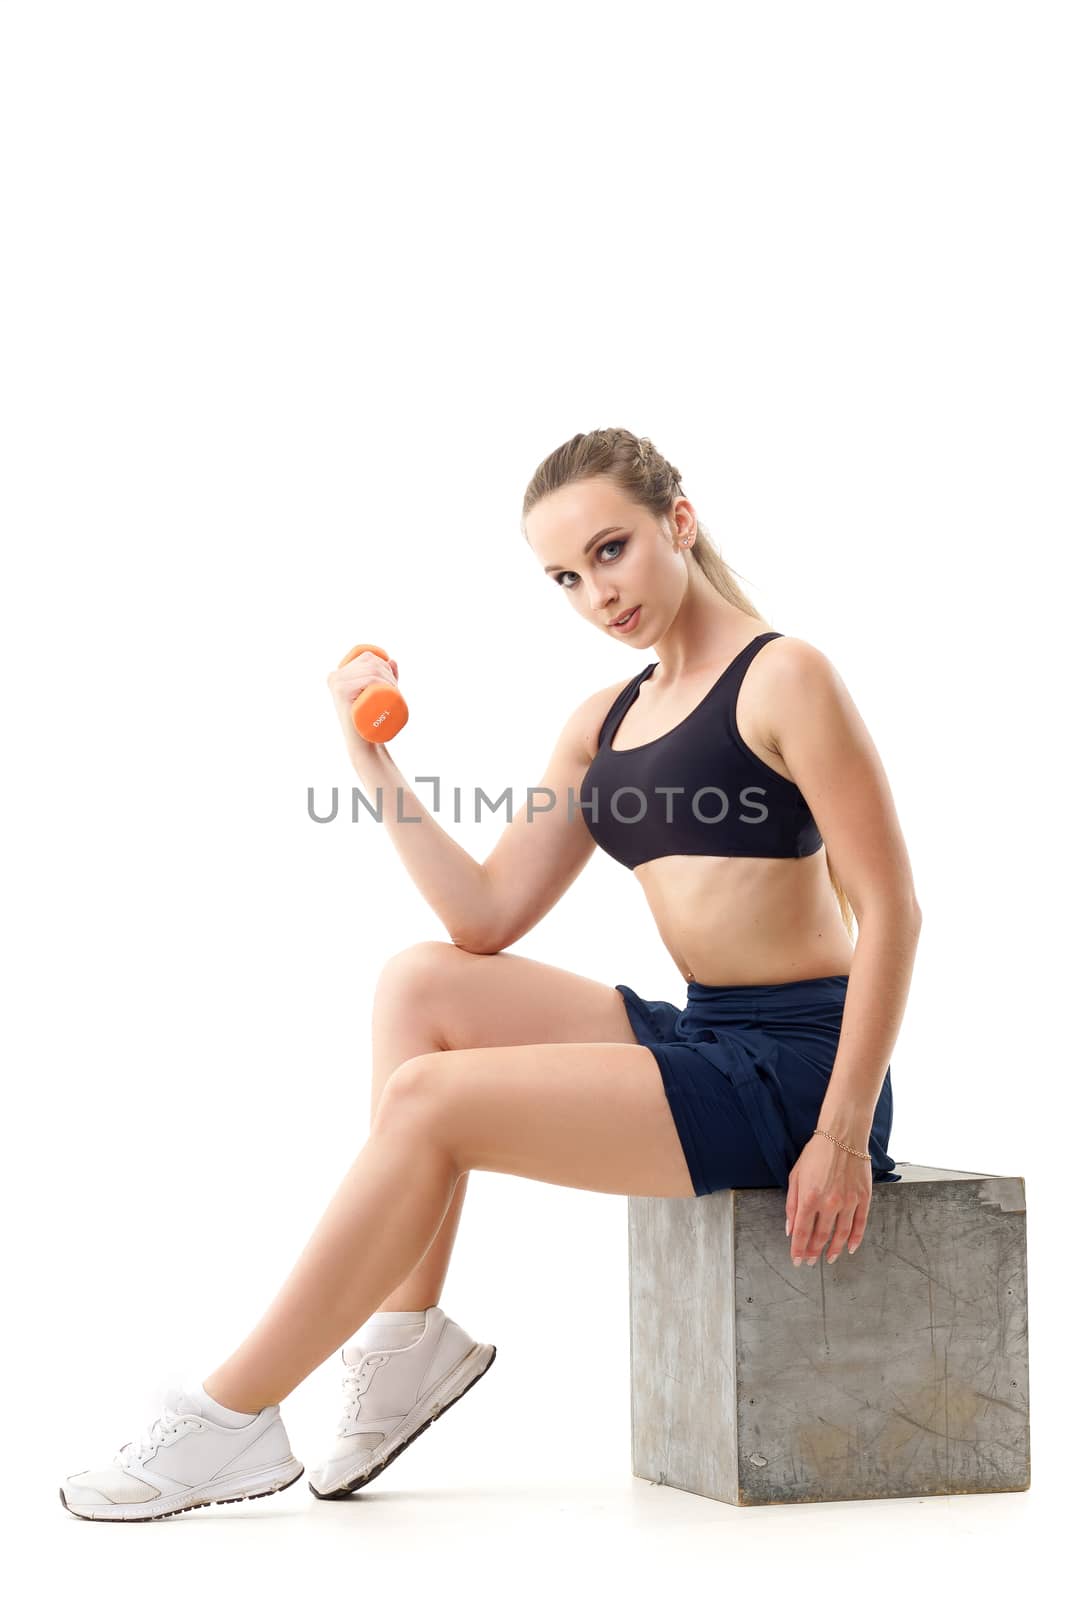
<point>631,622</point>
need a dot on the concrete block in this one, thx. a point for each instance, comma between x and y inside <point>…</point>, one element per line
<point>901,1370</point>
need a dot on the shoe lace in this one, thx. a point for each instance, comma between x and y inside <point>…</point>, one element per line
<point>167,1426</point>
<point>357,1379</point>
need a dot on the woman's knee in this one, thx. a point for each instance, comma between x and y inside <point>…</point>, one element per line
<point>421,973</point>
<point>412,1106</point>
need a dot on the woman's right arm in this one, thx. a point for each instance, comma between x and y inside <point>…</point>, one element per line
<point>451,882</point>
<point>483,905</point>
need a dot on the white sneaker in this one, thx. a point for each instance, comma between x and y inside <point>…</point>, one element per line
<point>391,1396</point>
<point>193,1462</point>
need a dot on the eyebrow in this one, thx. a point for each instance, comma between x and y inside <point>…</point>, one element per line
<point>589,545</point>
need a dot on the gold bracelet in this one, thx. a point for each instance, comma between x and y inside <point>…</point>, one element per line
<point>851,1152</point>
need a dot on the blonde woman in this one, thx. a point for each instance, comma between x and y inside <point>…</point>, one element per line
<point>725,774</point>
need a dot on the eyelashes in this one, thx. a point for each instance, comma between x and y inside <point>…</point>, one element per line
<point>621,543</point>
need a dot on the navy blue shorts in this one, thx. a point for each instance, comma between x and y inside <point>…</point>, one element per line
<point>745,1069</point>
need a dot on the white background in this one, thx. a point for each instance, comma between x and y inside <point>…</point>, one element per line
<point>295,299</point>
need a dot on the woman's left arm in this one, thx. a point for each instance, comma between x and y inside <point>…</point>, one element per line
<point>874,1009</point>
<point>825,744</point>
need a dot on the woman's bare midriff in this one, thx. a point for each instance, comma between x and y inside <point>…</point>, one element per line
<point>743,919</point>
<point>736,919</point>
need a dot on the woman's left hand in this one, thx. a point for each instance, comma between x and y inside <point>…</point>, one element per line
<point>829,1198</point>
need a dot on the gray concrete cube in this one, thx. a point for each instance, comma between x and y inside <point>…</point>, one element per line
<point>901,1370</point>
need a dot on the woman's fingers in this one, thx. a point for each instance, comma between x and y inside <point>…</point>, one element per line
<point>842,1233</point>
<point>803,1231</point>
<point>813,1229</point>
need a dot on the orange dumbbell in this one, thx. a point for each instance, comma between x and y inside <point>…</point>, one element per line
<point>380,711</point>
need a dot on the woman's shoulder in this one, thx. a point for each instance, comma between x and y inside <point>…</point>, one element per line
<point>790,660</point>
<point>788,677</point>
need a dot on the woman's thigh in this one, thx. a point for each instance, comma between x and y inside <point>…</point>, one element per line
<point>588,1116</point>
<point>471,1001</point>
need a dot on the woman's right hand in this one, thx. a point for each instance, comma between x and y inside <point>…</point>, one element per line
<point>347,683</point>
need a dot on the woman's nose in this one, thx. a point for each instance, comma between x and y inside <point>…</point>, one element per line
<point>602,600</point>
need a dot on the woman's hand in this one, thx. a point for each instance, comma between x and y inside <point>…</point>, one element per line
<point>347,683</point>
<point>829,1199</point>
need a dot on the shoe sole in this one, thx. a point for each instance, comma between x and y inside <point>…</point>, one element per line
<point>360,1481</point>
<point>108,1513</point>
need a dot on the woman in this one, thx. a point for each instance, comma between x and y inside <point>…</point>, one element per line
<point>724,774</point>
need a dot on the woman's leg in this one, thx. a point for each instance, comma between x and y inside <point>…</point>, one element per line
<point>435,996</point>
<point>587,1116</point>
<point>351,1261</point>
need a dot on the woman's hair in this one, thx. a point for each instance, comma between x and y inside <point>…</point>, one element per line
<point>648,479</point>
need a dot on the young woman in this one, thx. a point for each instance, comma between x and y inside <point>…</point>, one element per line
<point>725,775</point>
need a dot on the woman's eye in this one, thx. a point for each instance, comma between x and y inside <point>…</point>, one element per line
<point>612,544</point>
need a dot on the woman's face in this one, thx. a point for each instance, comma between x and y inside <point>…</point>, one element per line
<point>609,555</point>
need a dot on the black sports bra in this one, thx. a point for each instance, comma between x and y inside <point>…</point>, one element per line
<point>697,790</point>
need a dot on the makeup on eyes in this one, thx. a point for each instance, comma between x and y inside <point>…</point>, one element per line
<point>622,543</point>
